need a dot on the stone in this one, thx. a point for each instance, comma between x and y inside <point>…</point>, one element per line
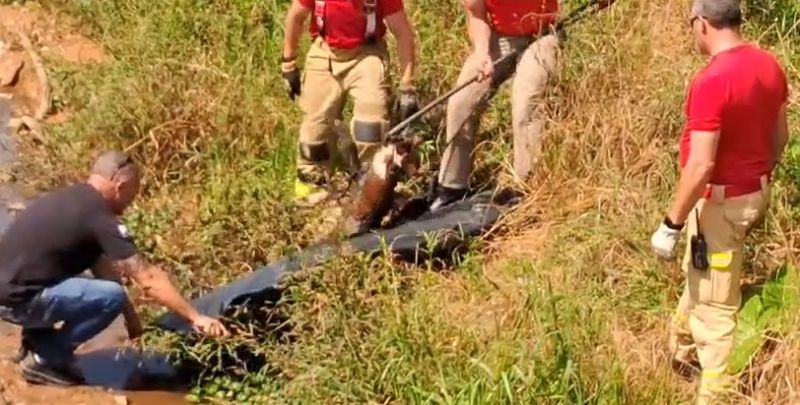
<point>10,65</point>
<point>120,400</point>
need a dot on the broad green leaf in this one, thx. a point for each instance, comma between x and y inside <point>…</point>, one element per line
<point>751,310</point>
<point>747,337</point>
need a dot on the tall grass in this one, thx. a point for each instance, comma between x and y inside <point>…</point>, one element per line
<point>566,305</point>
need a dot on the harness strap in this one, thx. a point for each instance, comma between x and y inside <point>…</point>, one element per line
<point>319,16</point>
<point>370,11</point>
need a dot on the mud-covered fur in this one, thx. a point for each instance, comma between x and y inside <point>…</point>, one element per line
<point>375,195</point>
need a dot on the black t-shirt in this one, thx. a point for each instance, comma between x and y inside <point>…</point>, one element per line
<point>58,236</point>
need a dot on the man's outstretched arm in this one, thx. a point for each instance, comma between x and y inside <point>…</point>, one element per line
<point>156,284</point>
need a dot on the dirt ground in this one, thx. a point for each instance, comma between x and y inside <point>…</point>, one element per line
<point>28,36</point>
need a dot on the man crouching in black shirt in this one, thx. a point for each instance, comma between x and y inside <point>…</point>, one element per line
<point>60,235</point>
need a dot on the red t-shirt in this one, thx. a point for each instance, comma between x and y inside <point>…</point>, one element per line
<point>346,22</point>
<point>739,93</point>
<point>521,17</point>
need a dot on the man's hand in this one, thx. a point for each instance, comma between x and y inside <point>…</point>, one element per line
<point>409,103</point>
<point>485,67</point>
<point>209,326</point>
<point>664,241</point>
<point>291,75</point>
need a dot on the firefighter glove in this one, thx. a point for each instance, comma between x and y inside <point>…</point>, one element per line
<point>664,241</point>
<point>291,75</point>
<point>409,103</point>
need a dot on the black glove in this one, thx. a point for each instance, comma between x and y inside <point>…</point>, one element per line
<point>291,75</point>
<point>409,104</point>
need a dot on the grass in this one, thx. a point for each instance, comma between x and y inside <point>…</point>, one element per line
<point>565,305</point>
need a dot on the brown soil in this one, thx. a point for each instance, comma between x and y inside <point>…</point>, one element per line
<point>55,35</point>
<point>51,36</point>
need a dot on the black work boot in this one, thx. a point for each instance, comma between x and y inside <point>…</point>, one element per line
<point>36,371</point>
<point>446,196</point>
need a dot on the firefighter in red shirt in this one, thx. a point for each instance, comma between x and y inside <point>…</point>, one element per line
<point>348,56</point>
<point>497,28</point>
<point>734,135</point>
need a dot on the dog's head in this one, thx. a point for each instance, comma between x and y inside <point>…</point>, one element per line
<point>406,155</point>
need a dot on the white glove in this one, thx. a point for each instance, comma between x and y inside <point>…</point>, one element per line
<point>664,241</point>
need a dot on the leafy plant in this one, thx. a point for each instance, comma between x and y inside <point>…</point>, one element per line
<point>764,315</point>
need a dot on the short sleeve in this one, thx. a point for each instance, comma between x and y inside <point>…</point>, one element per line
<point>705,104</point>
<point>309,4</point>
<point>113,237</point>
<point>391,7</point>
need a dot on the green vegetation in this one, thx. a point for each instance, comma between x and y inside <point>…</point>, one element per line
<point>565,305</point>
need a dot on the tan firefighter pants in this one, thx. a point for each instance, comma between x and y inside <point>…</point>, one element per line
<point>533,68</point>
<point>329,75</point>
<point>706,313</point>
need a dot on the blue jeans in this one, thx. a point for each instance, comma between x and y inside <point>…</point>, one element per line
<point>84,307</point>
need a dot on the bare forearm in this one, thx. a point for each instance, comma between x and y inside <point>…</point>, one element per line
<point>694,178</point>
<point>157,285</point>
<point>477,26</point>
<point>295,19</point>
<point>406,46</point>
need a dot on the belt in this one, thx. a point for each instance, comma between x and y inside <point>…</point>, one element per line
<point>725,191</point>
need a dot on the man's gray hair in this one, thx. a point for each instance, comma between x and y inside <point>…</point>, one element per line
<point>110,163</point>
<point>719,13</point>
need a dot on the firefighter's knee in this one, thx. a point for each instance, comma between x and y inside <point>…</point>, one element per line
<point>315,153</point>
<point>368,132</point>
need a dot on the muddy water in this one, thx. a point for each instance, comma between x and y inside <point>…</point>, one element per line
<point>143,378</point>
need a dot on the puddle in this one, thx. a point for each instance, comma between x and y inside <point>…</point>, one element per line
<point>144,378</point>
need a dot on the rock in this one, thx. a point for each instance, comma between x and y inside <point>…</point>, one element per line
<point>10,65</point>
<point>120,400</point>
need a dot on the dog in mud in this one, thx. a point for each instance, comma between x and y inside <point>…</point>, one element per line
<point>376,193</point>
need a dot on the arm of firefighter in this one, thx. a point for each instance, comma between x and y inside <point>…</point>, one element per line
<point>477,26</point>
<point>295,20</point>
<point>705,105</point>
<point>155,283</point>
<point>402,29</point>
<point>781,136</point>
<point>695,175</point>
<point>106,271</point>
